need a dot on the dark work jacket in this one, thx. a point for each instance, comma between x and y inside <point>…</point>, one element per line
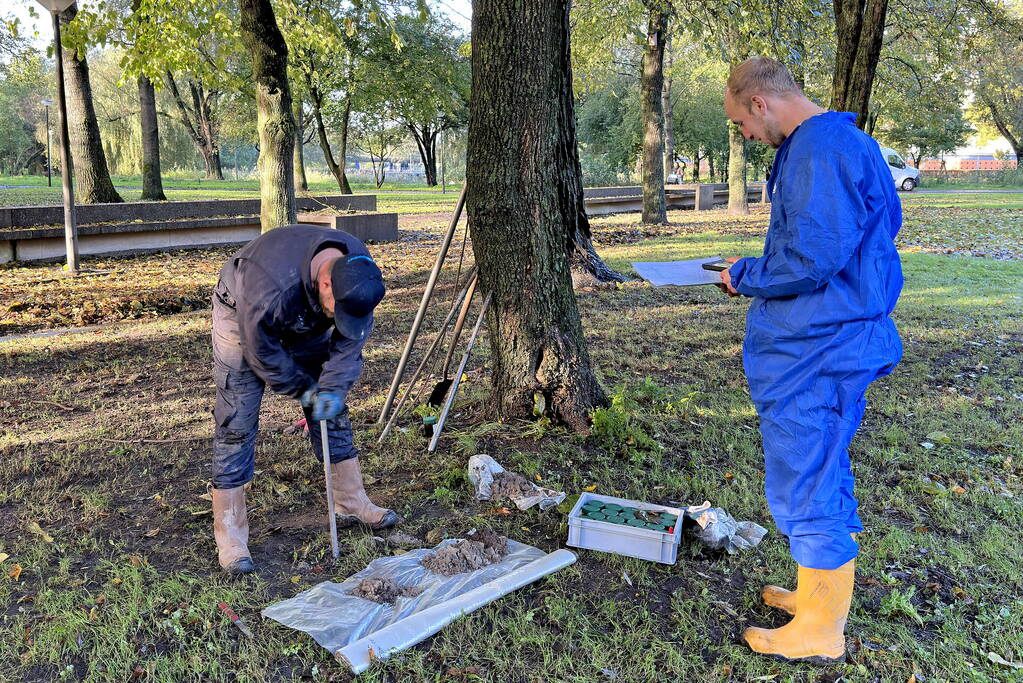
<point>286,336</point>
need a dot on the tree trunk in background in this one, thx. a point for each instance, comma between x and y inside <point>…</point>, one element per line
<point>710,168</point>
<point>1002,123</point>
<point>696,170</point>
<point>200,122</point>
<point>336,170</point>
<point>737,201</point>
<point>525,212</point>
<point>273,109</point>
<point>301,182</point>
<point>669,119</point>
<point>92,178</point>
<point>152,181</point>
<point>651,83</point>
<point>426,141</point>
<point>859,31</point>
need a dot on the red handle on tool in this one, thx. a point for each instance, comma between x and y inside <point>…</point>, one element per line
<point>234,618</point>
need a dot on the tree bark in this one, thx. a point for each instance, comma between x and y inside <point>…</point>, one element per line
<point>301,182</point>
<point>92,177</point>
<point>737,200</point>
<point>152,180</point>
<point>859,30</point>
<point>525,212</point>
<point>669,119</point>
<point>655,208</point>
<point>273,114</point>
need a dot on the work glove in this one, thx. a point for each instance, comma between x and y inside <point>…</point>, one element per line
<point>326,405</point>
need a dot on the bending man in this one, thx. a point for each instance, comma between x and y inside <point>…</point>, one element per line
<point>292,311</point>
<point>818,333</point>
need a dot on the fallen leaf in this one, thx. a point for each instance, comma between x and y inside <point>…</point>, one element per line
<point>38,531</point>
<point>296,579</point>
<point>502,511</point>
<point>152,532</point>
<point>940,437</point>
<point>998,659</point>
<point>958,489</point>
<point>135,560</point>
<point>101,598</point>
<point>3,557</point>
<point>15,572</point>
<point>116,580</point>
<point>590,489</point>
<point>207,496</point>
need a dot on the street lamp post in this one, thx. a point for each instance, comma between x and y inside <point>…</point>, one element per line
<point>49,166</point>
<point>55,7</point>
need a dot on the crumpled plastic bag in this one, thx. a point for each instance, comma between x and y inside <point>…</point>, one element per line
<point>717,529</point>
<point>482,469</point>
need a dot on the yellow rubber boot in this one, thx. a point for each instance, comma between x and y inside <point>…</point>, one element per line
<point>779,598</point>
<point>818,629</point>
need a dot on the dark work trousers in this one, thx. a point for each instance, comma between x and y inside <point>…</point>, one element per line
<point>239,394</point>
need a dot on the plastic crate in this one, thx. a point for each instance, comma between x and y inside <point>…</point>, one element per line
<point>645,544</point>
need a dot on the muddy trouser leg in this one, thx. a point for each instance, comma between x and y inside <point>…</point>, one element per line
<point>239,394</point>
<point>339,435</point>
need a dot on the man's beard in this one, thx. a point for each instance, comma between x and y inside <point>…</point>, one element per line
<point>774,135</point>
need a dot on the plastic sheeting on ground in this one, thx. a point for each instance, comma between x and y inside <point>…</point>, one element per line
<point>717,529</point>
<point>359,631</point>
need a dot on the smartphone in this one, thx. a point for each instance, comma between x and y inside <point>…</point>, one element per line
<point>717,266</point>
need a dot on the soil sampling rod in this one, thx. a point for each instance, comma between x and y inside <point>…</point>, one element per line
<point>427,293</point>
<point>325,448</point>
<point>458,376</point>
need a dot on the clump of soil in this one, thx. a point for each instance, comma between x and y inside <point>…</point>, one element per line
<point>474,552</point>
<point>511,486</point>
<point>384,591</point>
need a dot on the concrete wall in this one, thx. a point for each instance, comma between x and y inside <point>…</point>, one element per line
<point>600,201</point>
<point>32,216</point>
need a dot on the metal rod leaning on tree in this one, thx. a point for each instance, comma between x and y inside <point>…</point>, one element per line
<point>325,447</point>
<point>429,354</point>
<point>440,390</point>
<point>458,376</point>
<point>427,293</point>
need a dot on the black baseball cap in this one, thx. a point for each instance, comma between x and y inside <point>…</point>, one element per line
<point>358,288</point>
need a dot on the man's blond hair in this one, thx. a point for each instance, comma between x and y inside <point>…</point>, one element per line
<point>760,76</point>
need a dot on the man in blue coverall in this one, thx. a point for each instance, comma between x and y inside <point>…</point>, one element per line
<point>292,311</point>
<point>818,332</point>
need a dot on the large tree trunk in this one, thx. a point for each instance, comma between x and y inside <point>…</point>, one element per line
<point>273,114</point>
<point>525,212</point>
<point>92,178</point>
<point>152,180</point>
<point>737,201</point>
<point>669,119</point>
<point>859,30</point>
<point>655,208</point>
<point>301,182</point>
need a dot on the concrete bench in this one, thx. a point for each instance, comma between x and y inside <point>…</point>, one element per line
<point>36,233</point>
<point>600,201</point>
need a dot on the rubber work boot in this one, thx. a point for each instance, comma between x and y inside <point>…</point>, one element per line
<point>231,529</point>
<point>351,502</point>
<point>817,632</point>
<point>779,598</point>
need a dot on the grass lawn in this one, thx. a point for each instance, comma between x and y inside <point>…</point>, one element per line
<point>104,453</point>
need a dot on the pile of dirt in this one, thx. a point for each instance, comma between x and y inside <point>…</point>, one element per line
<point>384,591</point>
<point>476,551</point>
<point>511,486</point>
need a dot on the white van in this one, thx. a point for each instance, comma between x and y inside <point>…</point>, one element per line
<point>906,177</point>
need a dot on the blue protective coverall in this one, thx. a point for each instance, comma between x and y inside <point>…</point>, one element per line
<point>818,330</point>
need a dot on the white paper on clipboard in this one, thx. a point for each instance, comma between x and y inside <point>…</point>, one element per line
<point>679,273</point>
